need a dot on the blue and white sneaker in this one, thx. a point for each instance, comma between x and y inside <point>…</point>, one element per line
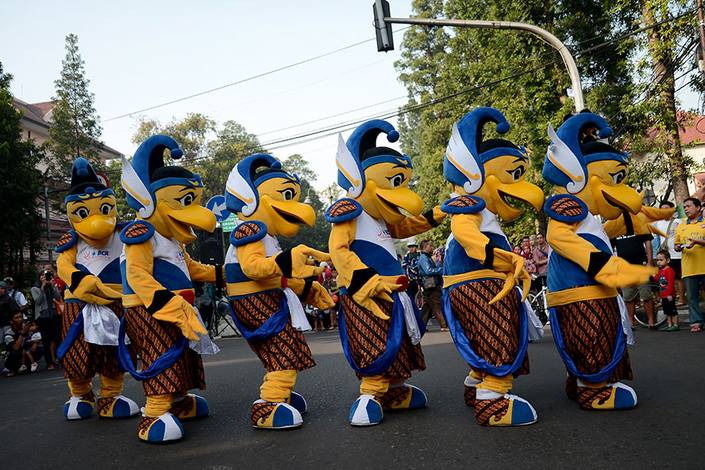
<point>270,415</point>
<point>404,397</point>
<point>616,396</point>
<point>165,428</point>
<point>496,409</point>
<point>190,406</point>
<point>366,411</point>
<point>118,407</point>
<point>79,407</point>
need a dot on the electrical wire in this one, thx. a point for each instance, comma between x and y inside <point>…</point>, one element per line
<point>247,79</point>
<point>341,127</point>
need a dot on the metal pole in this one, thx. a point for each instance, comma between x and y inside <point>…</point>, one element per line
<point>541,33</point>
<point>48,221</point>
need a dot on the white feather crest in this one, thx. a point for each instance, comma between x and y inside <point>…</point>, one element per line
<point>348,167</point>
<point>461,158</point>
<point>135,187</point>
<point>566,161</point>
<point>239,188</point>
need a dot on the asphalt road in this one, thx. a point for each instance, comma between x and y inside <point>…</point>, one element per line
<point>665,431</point>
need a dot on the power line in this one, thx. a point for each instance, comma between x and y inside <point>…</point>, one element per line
<point>342,113</point>
<point>247,79</point>
<point>341,127</point>
<point>577,54</point>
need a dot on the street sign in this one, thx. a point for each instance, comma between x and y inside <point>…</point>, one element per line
<point>230,223</point>
<point>216,205</point>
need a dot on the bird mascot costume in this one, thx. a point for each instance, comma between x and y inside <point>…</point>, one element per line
<point>380,327</point>
<point>489,320</point>
<point>588,317</point>
<point>158,293</point>
<point>267,285</point>
<point>89,264</point>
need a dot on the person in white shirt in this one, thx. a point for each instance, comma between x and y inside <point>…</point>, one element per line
<point>669,227</point>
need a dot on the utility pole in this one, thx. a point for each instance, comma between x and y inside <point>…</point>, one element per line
<point>48,222</point>
<point>383,30</point>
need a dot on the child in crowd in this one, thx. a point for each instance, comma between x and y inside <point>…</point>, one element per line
<point>667,280</point>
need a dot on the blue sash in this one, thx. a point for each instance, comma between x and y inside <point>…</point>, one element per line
<point>161,364</point>
<point>599,376</point>
<point>394,338</point>
<point>75,330</point>
<point>462,343</point>
<point>271,326</point>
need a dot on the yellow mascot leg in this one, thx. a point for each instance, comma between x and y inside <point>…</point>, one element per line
<point>277,386</point>
<point>500,385</point>
<point>110,387</point>
<point>376,385</point>
<point>279,407</point>
<point>80,387</point>
<point>157,405</point>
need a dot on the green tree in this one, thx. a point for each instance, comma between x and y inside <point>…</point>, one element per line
<point>192,133</point>
<point>114,171</point>
<point>662,66</point>
<point>297,165</point>
<point>18,192</point>
<point>316,236</point>
<point>209,151</point>
<point>75,129</point>
<point>448,75</point>
<point>231,144</point>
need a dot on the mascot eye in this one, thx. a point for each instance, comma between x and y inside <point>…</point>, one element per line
<point>288,194</point>
<point>619,176</point>
<point>81,212</point>
<point>187,199</point>
<point>106,208</point>
<point>396,180</point>
<point>517,172</point>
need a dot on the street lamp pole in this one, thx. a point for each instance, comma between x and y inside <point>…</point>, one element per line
<point>385,43</point>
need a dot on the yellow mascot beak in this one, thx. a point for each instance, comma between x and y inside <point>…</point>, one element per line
<point>390,201</point>
<point>194,216</point>
<point>96,227</point>
<point>613,199</point>
<point>292,212</point>
<point>521,190</point>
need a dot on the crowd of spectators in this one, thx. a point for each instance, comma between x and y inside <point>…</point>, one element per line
<point>30,323</point>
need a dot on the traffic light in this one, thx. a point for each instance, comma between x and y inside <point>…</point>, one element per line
<point>383,30</point>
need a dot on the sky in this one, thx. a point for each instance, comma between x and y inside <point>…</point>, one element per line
<point>138,54</point>
<point>141,53</point>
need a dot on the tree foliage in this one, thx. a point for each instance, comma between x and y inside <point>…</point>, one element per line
<point>213,151</point>
<point>448,72</point>
<point>21,183</point>
<point>75,129</point>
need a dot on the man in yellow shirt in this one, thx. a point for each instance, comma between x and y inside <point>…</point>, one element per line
<point>690,239</point>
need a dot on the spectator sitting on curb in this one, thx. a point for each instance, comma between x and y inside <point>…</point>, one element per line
<point>22,346</point>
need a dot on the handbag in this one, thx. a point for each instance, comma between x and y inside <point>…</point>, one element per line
<point>429,282</point>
